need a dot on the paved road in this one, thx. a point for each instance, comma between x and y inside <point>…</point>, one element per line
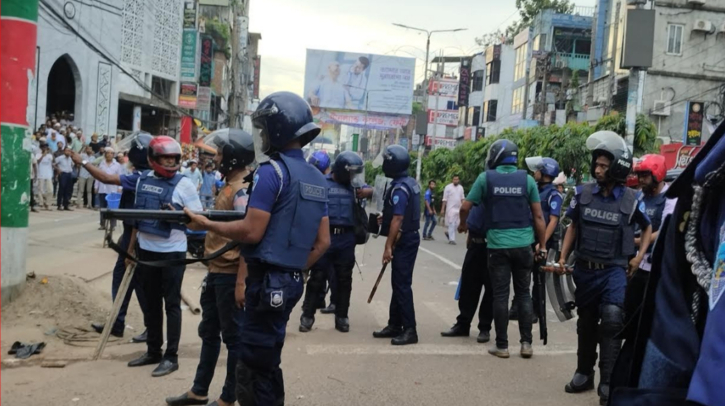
<point>323,367</point>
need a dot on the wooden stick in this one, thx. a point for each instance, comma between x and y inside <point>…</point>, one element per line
<point>377,282</point>
<point>120,295</point>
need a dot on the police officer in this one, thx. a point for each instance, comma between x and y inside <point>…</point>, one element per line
<point>474,276</point>
<point>545,170</point>
<point>285,231</point>
<point>511,200</point>
<point>650,171</point>
<point>339,260</point>
<point>162,187</point>
<point>221,316</point>
<point>603,215</point>
<point>400,223</point>
<point>138,155</point>
<point>321,161</point>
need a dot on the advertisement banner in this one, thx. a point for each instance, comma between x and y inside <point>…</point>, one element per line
<point>464,82</point>
<point>188,55</point>
<point>444,87</point>
<point>360,119</point>
<point>694,116</point>
<point>357,81</point>
<point>189,15</point>
<point>440,142</point>
<point>203,98</point>
<point>443,117</point>
<point>187,96</point>
<point>205,69</point>
<point>257,64</point>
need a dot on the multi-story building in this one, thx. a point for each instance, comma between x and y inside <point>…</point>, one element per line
<point>103,60</point>
<point>497,89</point>
<point>687,64</point>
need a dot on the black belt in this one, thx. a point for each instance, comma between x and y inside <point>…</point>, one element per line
<point>478,240</point>
<point>340,230</point>
<point>591,265</point>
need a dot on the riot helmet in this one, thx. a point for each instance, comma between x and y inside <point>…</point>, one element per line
<point>236,148</point>
<point>612,146</point>
<point>281,118</point>
<point>347,169</point>
<point>547,166</point>
<point>502,152</point>
<point>395,161</point>
<point>163,146</point>
<point>137,145</point>
<point>320,160</point>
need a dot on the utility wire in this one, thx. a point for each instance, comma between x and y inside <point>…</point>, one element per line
<point>141,84</point>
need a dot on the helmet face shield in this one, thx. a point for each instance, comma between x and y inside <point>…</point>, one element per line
<point>261,142</point>
<point>357,175</point>
<point>534,163</point>
<point>608,141</point>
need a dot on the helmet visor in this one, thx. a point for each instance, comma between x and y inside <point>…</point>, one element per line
<point>130,141</point>
<point>261,142</point>
<point>534,163</point>
<point>357,175</point>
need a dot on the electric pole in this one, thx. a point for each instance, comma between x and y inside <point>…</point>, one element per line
<point>634,95</point>
<point>19,19</point>
<point>613,77</point>
<point>421,143</point>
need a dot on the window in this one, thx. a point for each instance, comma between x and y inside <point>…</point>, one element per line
<point>493,72</point>
<point>475,116</point>
<point>520,65</point>
<point>491,107</point>
<point>477,81</point>
<point>517,104</point>
<point>674,39</point>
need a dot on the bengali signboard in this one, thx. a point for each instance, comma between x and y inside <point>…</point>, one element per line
<point>188,55</point>
<point>205,63</point>
<point>361,119</point>
<point>187,96</point>
<point>189,15</point>
<point>464,82</point>
<point>440,142</point>
<point>694,116</point>
<point>444,87</point>
<point>359,81</point>
<point>443,117</point>
<point>203,98</point>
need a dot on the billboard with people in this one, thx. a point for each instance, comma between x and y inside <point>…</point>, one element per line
<point>359,81</point>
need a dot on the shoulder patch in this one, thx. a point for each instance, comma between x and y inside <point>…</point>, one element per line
<point>255,180</point>
<point>396,199</point>
<point>641,207</point>
<point>554,205</point>
<point>717,285</point>
<point>573,202</point>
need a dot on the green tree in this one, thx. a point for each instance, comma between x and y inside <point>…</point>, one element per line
<point>528,9</point>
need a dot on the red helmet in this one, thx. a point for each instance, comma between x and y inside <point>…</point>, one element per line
<point>632,181</point>
<point>164,146</point>
<point>654,164</point>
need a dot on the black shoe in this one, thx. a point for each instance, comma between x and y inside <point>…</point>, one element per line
<point>457,331</point>
<point>185,400</point>
<point>409,336</point>
<point>430,237</point>
<point>329,309</point>
<point>68,209</point>
<point>342,324</point>
<point>165,367</point>
<point>141,338</point>
<point>145,359</point>
<point>388,332</point>
<point>306,323</point>
<point>483,337</point>
<point>98,327</point>
<point>580,383</point>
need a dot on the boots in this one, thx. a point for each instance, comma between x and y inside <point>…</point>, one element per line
<point>342,324</point>
<point>388,332</point>
<point>457,331</point>
<point>580,383</point>
<point>409,336</point>
<point>306,323</point>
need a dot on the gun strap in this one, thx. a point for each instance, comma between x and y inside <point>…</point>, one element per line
<point>169,262</point>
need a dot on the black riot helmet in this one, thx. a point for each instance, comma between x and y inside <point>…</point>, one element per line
<point>347,165</point>
<point>395,161</point>
<point>502,152</point>
<point>236,147</point>
<point>613,146</point>
<point>138,149</point>
<point>281,118</point>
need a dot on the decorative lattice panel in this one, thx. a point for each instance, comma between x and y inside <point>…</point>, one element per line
<point>167,37</point>
<point>133,33</point>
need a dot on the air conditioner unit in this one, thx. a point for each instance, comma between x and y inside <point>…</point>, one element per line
<point>703,25</point>
<point>661,108</point>
<point>696,2</point>
<point>560,64</point>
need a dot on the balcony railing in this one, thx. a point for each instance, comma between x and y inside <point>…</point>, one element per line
<point>583,11</point>
<point>562,60</point>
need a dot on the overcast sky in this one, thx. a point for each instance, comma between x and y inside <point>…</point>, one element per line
<point>289,27</point>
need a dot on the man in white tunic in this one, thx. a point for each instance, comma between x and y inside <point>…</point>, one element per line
<point>453,196</point>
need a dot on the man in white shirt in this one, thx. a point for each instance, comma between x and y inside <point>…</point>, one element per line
<point>111,167</point>
<point>330,92</point>
<point>453,196</point>
<point>45,176</point>
<point>85,180</point>
<point>64,168</point>
<point>193,173</point>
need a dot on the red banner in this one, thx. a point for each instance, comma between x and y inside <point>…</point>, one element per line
<point>185,131</point>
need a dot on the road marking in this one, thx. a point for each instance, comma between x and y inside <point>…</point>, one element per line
<point>420,349</point>
<point>442,258</point>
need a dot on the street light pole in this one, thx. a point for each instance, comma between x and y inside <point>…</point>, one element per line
<point>421,144</point>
